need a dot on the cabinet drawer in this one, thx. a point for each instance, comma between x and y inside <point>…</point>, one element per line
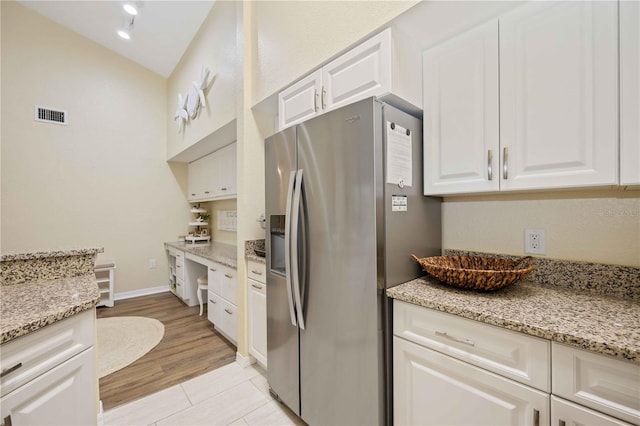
<point>256,271</point>
<point>214,308</point>
<point>430,388</point>
<point>229,320</point>
<point>179,269</point>
<point>213,278</point>
<point>597,381</point>
<point>524,359</point>
<point>43,349</point>
<point>568,413</point>
<point>228,282</point>
<point>180,289</point>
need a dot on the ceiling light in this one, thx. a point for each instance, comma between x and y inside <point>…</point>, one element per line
<point>125,35</point>
<point>130,9</point>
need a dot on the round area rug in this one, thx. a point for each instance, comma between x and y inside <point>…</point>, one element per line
<point>122,340</point>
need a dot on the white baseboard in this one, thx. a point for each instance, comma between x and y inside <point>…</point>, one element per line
<point>244,361</point>
<point>141,292</point>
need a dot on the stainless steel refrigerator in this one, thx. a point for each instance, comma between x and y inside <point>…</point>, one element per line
<point>345,211</point>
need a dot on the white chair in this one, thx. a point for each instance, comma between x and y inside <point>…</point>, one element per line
<point>203,284</point>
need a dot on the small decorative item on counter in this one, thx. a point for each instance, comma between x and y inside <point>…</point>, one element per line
<point>476,272</point>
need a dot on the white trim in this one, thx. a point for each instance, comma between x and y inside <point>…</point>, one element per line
<point>244,361</point>
<point>141,292</point>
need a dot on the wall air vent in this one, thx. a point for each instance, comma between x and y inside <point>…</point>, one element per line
<point>49,115</point>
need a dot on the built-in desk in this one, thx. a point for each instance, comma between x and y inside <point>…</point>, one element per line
<point>216,261</point>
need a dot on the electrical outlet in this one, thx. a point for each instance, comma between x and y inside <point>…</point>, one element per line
<point>534,241</point>
<point>153,263</point>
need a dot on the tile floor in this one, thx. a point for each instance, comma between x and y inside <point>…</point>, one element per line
<point>230,395</point>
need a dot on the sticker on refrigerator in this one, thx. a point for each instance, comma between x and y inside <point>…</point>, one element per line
<point>398,203</point>
<point>399,161</point>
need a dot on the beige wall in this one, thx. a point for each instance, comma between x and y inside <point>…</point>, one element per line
<point>294,37</point>
<point>593,226</point>
<point>102,180</point>
<point>214,47</point>
<point>214,207</point>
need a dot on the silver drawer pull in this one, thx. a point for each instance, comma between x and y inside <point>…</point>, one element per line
<point>490,165</point>
<point>223,189</point>
<point>259,287</point>
<point>228,276</point>
<point>178,266</point>
<point>10,369</point>
<point>228,311</point>
<point>212,270</point>
<point>212,301</point>
<point>505,163</point>
<point>256,272</point>
<point>455,339</point>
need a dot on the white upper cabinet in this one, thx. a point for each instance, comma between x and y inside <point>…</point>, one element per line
<point>300,101</point>
<point>629,93</point>
<point>528,101</point>
<point>366,70</point>
<point>213,177</point>
<point>558,95</point>
<point>460,89</point>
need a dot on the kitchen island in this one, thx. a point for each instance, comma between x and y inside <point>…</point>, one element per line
<point>47,332</point>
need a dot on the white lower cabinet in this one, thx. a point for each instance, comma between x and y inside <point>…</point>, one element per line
<point>64,395</point>
<point>222,308</point>
<point>257,311</point>
<point>435,389</point>
<point>49,376</point>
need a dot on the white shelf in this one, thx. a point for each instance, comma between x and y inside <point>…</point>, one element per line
<point>194,239</point>
<point>102,280</point>
<point>105,281</point>
<point>194,210</point>
<point>198,223</point>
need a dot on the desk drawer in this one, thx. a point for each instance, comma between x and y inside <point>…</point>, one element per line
<point>522,358</point>
<point>179,269</point>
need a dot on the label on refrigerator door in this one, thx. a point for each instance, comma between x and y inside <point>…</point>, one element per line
<point>398,203</point>
<point>399,161</point>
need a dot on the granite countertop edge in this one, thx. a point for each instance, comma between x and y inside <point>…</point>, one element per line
<point>594,334</point>
<point>256,258</point>
<point>225,254</point>
<point>22,307</point>
<point>30,255</point>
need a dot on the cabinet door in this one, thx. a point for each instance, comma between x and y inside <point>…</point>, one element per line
<point>558,95</point>
<point>65,395</point>
<point>362,72</point>
<point>569,414</point>
<point>195,180</point>
<point>228,280</point>
<point>433,389</point>
<point>258,321</point>
<point>300,101</point>
<point>225,182</point>
<point>460,98</point>
<point>214,308</point>
<point>213,278</point>
<point>228,324</point>
<point>629,93</point>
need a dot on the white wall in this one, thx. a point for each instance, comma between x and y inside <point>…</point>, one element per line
<point>592,226</point>
<point>214,47</point>
<point>102,180</point>
<point>214,207</point>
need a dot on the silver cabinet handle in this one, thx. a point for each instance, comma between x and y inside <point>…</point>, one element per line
<point>256,272</point>
<point>315,100</point>
<point>259,287</point>
<point>228,276</point>
<point>212,301</point>
<point>178,284</point>
<point>505,167</point>
<point>7,421</point>
<point>536,417</point>
<point>294,249</point>
<point>228,311</point>
<point>9,370</point>
<point>287,247</point>
<point>561,422</point>
<point>324,94</point>
<point>178,266</point>
<point>193,195</point>
<point>455,339</point>
<point>223,189</point>
<point>490,164</point>
<point>212,270</point>
<point>206,192</point>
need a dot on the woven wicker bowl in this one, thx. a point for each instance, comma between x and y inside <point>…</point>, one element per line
<point>476,272</point>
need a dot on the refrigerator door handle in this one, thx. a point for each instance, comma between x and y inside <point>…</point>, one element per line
<point>287,247</point>
<point>294,240</point>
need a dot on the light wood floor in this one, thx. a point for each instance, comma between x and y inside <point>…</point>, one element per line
<point>190,347</point>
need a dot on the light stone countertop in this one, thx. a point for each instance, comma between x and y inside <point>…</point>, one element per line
<point>256,258</point>
<point>601,324</point>
<point>30,255</point>
<point>225,254</point>
<point>29,306</point>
